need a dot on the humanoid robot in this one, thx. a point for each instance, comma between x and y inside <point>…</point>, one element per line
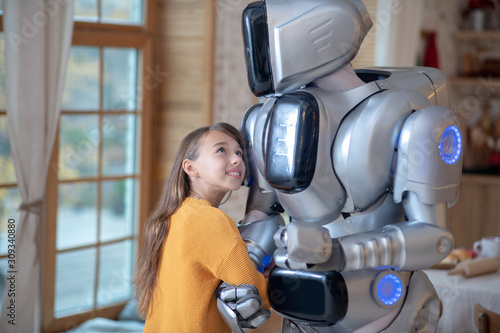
<point>365,163</point>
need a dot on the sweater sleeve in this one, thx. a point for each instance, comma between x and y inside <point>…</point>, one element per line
<point>230,255</point>
<point>237,268</point>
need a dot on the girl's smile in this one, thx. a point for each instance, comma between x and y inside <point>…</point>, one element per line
<point>236,173</point>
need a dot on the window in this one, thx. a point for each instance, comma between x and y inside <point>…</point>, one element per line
<point>110,11</point>
<point>98,178</point>
<point>97,182</point>
<point>10,198</point>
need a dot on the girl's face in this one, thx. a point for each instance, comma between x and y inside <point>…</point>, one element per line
<point>219,167</point>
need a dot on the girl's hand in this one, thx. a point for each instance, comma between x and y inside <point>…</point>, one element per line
<point>267,270</point>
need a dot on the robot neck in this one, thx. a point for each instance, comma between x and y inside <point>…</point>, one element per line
<point>342,80</point>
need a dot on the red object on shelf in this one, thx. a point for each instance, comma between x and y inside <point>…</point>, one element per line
<point>474,4</point>
<point>431,58</point>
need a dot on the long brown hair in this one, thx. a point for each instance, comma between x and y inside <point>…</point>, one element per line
<point>176,189</point>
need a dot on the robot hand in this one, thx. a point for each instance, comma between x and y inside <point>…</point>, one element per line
<point>307,246</point>
<point>240,306</point>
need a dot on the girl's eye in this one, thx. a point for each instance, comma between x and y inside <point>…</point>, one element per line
<point>221,150</point>
<point>239,153</point>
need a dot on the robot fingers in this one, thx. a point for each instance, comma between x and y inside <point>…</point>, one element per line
<point>246,306</point>
<point>240,306</point>
<point>230,293</point>
<point>257,319</point>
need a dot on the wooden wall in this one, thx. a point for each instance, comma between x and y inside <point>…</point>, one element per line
<point>232,96</point>
<point>477,212</point>
<point>185,73</point>
<point>202,72</point>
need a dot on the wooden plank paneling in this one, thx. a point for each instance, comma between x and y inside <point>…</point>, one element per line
<point>477,211</point>
<point>184,102</point>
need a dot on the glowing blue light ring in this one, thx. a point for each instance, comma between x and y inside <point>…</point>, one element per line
<point>450,145</point>
<point>395,292</point>
<point>388,289</point>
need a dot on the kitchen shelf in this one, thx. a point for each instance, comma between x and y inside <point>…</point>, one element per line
<point>472,34</point>
<point>476,85</point>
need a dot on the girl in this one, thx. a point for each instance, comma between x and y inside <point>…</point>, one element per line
<point>190,246</point>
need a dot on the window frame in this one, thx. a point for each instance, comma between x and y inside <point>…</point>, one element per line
<point>102,35</point>
<point>3,112</point>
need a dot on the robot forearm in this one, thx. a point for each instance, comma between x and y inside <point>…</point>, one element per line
<point>258,236</point>
<point>405,245</point>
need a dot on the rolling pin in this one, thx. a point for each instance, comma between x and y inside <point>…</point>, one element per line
<point>475,267</point>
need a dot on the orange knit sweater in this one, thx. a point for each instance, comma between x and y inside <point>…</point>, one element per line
<point>203,247</point>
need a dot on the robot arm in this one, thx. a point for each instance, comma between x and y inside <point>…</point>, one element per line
<point>426,181</point>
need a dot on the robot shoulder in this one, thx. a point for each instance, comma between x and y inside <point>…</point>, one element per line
<point>365,145</point>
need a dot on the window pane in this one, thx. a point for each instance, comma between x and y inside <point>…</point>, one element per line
<point>120,79</point>
<point>115,273</point>
<point>9,202</point>
<point>117,209</point>
<point>77,215</point>
<point>75,280</point>
<point>119,145</point>
<point>86,10</point>
<point>122,11</point>
<point>2,70</point>
<point>3,280</point>
<point>81,90</point>
<point>3,270</point>
<point>78,146</point>
<point>7,173</point>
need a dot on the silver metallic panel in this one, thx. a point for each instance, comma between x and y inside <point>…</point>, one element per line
<point>259,238</point>
<point>408,245</point>
<point>420,167</point>
<point>363,309</point>
<point>310,39</point>
<point>421,310</point>
<point>259,137</point>
<point>388,210</point>
<point>363,154</point>
<point>436,214</point>
<point>309,243</point>
<point>408,78</point>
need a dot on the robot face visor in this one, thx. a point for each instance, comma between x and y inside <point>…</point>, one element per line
<point>256,42</point>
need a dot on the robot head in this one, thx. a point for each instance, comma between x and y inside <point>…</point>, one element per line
<point>290,43</point>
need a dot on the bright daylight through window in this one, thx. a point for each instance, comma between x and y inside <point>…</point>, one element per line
<point>95,178</point>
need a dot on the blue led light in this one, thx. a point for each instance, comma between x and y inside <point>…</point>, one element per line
<point>450,146</point>
<point>389,289</point>
<point>265,262</point>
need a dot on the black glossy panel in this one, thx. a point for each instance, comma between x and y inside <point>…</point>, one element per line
<point>292,142</point>
<point>256,42</point>
<point>310,298</point>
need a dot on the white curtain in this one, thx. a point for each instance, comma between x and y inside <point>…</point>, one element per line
<point>399,25</point>
<point>37,41</point>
